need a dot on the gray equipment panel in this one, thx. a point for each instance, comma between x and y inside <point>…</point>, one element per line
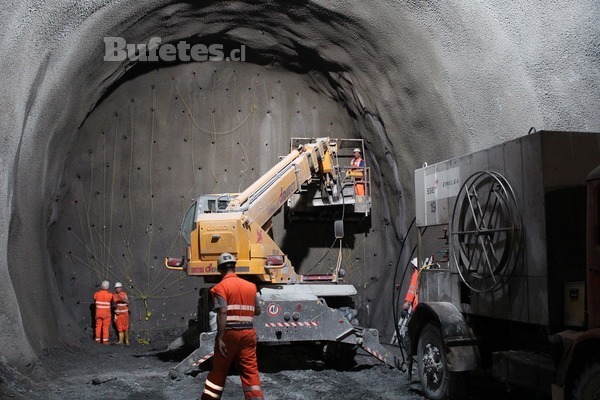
<point>545,172</point>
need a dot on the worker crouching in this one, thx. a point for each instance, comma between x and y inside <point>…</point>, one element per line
<point>236,303</point>
<point>121,306</point>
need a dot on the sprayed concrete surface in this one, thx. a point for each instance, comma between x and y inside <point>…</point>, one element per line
<point>100,159</point>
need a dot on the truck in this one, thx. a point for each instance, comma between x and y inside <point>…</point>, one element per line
<point>314,179</point>
<point>514,290</point>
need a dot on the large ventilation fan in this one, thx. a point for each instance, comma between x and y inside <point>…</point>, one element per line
<point>486,231</point>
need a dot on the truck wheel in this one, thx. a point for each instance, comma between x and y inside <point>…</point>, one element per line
<point>438,383</point>
<point>587,386</point>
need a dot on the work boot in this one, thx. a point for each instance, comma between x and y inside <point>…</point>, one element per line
<point>126,337</point>
<point>120,342</point>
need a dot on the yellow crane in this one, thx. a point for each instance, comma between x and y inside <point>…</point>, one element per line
<point>316,174</point>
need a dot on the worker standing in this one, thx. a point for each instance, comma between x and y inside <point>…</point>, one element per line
<point>357,165</point>
<point>236,302</point>
<point>102,299</point>
<point>121,304</point>
<point>412,297</point>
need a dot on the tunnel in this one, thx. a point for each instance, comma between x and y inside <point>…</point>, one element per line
<point>100,159</point>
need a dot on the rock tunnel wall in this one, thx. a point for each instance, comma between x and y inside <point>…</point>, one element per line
<point>419,81</point>
<point>147,151</point>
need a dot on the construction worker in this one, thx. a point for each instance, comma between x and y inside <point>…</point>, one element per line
<point>102,299</point>
<point>357,165</point>
<point>236,302</point>
<point>412,297</point>
<point>121,305</point>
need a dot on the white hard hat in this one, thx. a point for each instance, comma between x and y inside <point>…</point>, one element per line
<point>105,285</point>
<point>415,262</point>
<point>356,149</point>
<point>118,284</point>
<point>225,259</point>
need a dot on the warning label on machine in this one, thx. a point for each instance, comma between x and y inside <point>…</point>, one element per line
<point>442,184</point>
<point>435,184</point>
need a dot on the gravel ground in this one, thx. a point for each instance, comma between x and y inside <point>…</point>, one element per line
<point>142,372</point>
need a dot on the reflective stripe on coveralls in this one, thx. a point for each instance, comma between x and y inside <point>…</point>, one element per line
<point>252,389</point>
<point>355,162</point>
<point>240,316</point>
<point>102,304</point>
<point>212,390</point>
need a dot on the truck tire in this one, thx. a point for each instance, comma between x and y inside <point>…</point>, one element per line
<point>587,386</point>
<point>437,381</point>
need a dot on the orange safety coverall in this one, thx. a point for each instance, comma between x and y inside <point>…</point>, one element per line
<point>122,311</point>
<point>411,295</point>
<point>359,188</point>
<point>102,299</point>
<point>239,338</point>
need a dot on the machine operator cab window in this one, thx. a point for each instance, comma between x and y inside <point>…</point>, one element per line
<point>189,223</point>
<point>216,205</point>
<point>211,203</point>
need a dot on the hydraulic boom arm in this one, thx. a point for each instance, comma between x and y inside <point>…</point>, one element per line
<point>240,224</point>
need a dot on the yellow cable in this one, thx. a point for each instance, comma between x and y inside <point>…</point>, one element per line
<point>213,132</point>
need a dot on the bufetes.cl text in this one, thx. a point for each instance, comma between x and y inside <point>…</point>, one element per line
<point>117,49</point>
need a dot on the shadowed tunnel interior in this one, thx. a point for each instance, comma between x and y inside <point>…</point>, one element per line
<point>100,159</point>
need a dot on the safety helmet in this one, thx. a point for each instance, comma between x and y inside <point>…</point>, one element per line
<point>225,259</point>
<point>105,285</point>
<point>415,262</point>
<point>356,149</point>
<point>118,285</point>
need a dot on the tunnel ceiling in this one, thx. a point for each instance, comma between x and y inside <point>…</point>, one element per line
<point>418,81</point>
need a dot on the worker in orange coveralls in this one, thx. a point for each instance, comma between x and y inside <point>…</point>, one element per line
<point>236,303</point>
<point>121,305</point>
<point>102,299</point>
<point>357,165</point>
<point>412,297</point>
